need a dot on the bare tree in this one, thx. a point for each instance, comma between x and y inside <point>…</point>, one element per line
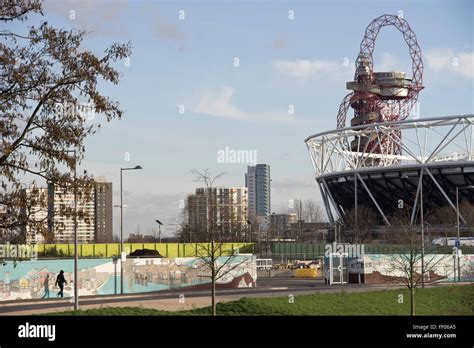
<point>312,212</point>
<point>411,260</point>
<point>297,231</point>
<point>367,218</point>
<point>49,101</point>
<point>209,251</point>
<point>183,233</point>
<point>297,209</point>
<point>446,215</point>
<point>308,213</point>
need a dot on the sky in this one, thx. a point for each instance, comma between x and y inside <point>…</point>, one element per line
<point>206,76</point>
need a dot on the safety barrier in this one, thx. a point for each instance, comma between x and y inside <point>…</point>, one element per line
<point>305,273</point>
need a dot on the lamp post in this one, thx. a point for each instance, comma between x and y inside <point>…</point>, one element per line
<point>422,236</point>
<point>250,234</point>
<point>76,294</point>
<point>159,229</point>
<point>356,205</point>
<point>121,225</point>
<point>162,224</point>
<point>457,215</point>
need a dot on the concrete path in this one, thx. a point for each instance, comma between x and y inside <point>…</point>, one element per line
<point>182,300</point>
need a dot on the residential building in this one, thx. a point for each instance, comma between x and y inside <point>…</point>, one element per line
<point>94,222</point>
<point>103,211</point>
<point>263,222</point>
<point>280,224</point>
<point>61,220</point>
<point>257,181</point>
<point>251,184</point>
<point>35,215</point>
<point>224,209</point>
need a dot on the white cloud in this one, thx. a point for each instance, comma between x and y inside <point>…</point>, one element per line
<point>303,69</point>
<point>220,104</point>
<point>448,61</point>
<point>92,16</point>
<point>166,30</point>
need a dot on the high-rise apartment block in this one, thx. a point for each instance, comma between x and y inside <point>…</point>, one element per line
<point>257,180</point>
<point>50,211</point>
<point>281,224</point>
<point>224,209</point>
<point>103,211</point>
<point>61,220</point>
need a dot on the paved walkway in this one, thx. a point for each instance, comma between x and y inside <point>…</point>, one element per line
<point>161,304</point>
<point>169,301</point>
<point>182,300</point>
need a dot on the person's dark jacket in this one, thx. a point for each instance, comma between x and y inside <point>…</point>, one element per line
<point>60,280</point>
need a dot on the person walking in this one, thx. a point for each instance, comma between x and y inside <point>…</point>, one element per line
<point>46,286</point>
<point>60,281</point>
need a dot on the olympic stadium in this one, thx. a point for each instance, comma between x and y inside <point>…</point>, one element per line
<point>388,157</point>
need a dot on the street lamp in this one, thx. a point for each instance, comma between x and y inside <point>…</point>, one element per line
<point>159,228</point>
<point>459,238</point>
<point>422,234</point>
<point>76,293</point>
<point>250,234</point>
<point>121,225</point>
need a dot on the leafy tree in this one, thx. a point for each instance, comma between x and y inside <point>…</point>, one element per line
<point>49,100</point>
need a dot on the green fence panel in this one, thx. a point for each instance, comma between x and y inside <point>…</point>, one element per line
<point>100,250</point>
<point>108,250</point>
<point>87,250</point>
<point>149,246</point>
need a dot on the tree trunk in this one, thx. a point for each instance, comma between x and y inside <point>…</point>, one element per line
<point>213,277</point>
<point>412,302</point>
<point>213,293</point>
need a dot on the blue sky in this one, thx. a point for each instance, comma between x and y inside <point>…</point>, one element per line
<point>283,62</point>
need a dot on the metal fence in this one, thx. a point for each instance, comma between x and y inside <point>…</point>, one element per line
<point>108,250</point>
<point>305,251</point>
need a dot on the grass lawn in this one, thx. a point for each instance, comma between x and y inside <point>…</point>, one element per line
<point>441,300</point>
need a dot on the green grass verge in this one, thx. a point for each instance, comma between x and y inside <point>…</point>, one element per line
<point>442,300</point>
